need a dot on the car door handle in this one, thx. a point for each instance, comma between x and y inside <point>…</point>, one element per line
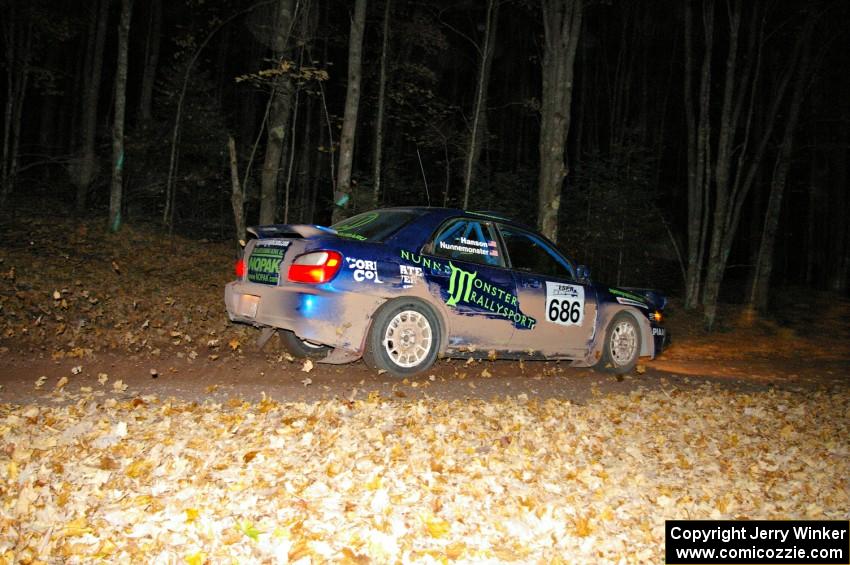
<point>530,283</point>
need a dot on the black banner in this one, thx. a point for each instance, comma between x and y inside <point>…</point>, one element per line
<point>765,542</point>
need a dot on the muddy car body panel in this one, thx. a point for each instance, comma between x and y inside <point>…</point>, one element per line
<point>400,286</point>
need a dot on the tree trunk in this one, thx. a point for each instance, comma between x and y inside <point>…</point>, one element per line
<point>87,164</point>
<point>379,118</point>
<point>278,120</point>
<point>292,139</point>
<point>759,293</point>
<point>352,104</point>
<point>479,112</point>
<point>237,196</point>
<point>116,190</point>
<point>18,46</point>
<point>561,26</point>
<point>836,250</point>
<point>151,61</point>
<point>698,129</point>
<point>731,192</point>
<point>304,161</point>
<point>727,127</point>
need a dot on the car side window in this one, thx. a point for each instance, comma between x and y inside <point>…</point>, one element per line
<point>468,240</point>
<point>531,254</point>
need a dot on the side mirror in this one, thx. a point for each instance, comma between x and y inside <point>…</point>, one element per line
<point>583,273</point>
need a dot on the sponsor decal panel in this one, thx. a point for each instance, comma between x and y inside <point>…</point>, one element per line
<point>628,298</point>
<point>410,275</point>
<point>265,260</point>
<point>564,304</point>
<point>363,270</point>
<point>468,288</point>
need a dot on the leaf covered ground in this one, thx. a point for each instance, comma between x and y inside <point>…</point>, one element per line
<point>426,481</point>
<point>70,289</point>
<point>100,473</point>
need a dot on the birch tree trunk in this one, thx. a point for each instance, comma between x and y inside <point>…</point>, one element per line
<point>117,187</point>
<point>85,169</point>
<point>352,104</point>
<point>279,111</point>
<point>377,157</point>
<point>479,112</point>
<point>561,27</point>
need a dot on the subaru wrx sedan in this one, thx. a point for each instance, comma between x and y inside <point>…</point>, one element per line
<point>400,287</point>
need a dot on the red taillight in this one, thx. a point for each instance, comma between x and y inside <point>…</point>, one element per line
<point>315,268</point>
<point>240,268</point>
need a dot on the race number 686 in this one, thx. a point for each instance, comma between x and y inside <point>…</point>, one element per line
<point>564,303</point>
<point>564,311</point>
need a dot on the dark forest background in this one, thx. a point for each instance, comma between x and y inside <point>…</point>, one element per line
<point>696,146</point>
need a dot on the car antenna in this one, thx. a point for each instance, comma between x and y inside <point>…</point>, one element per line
<point>427,193</point>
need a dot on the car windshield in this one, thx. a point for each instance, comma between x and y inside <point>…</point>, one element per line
<point>373,226</point>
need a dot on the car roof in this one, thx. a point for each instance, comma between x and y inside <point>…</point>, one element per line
<point>446,213</point>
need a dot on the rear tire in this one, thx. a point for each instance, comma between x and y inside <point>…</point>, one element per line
<point>303,349</point>
<point>404,338</point>
<point>622,345</point>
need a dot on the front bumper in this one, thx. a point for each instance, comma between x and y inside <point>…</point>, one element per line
<point>327,316</point>
<point>660,338</point>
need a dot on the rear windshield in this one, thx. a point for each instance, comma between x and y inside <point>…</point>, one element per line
<point>373,226</point>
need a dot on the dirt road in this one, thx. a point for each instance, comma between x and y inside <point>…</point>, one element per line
<point>249,374</point>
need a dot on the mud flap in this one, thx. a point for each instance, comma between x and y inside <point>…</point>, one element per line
<point>265,335</point>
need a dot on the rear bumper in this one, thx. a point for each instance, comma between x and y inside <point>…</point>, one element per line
<point>337,319</point>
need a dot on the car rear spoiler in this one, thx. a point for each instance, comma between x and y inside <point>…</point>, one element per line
<point>289,231</point>
<point>655,297</point>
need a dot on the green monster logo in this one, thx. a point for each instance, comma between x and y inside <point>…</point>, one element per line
<point>466,287</point>
<point>460,283</point>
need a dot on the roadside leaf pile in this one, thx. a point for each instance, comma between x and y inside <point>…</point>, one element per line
<point>124,479</point>
<point>68,289</point>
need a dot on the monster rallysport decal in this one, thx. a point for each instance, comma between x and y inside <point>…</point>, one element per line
<point>564,304</point>
<point>265,260</point>
<point>470,289</point>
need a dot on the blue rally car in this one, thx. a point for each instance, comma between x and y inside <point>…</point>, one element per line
<point>401,287</point>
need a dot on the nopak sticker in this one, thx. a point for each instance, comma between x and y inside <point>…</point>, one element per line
<point>265,260</point>
<point>564,304</point>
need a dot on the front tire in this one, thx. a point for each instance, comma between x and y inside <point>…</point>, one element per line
<point>404,338</point>
<point>303,349</point>
<point>622,345</point>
